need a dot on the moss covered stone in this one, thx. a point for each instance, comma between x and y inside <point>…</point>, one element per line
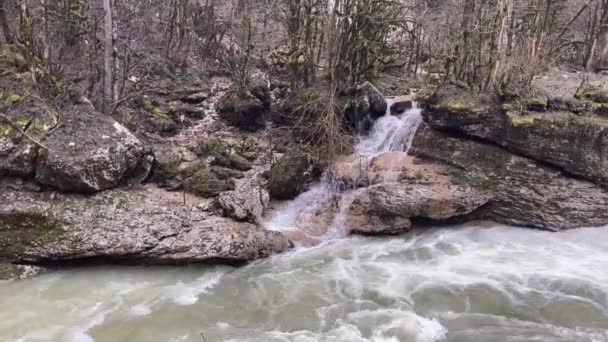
<point>216,152</point>
<point>27,228</point>
<point>11,99</point>
<point>158,116</point>
<point>455,106</point>
<point>521,120</point>
<point>287,178</point>
<point>595,93</point>
<point>206,182</point>
<point>241,108</point>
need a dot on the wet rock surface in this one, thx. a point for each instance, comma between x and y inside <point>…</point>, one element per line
<point>363,107</point>
<point>396,188</point>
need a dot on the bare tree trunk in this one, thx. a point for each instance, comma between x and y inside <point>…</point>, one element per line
<point>108,60</point>
<point>6,30</point>
<point>600,59</point>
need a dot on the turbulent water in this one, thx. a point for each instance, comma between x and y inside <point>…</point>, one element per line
<point>472,283</point>
<point>454,284</point>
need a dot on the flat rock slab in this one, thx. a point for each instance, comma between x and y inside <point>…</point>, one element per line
<point>124,227</point>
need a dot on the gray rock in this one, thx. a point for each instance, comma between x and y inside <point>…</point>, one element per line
<point>17,153</point>
<point>577,144</point>
<point>366,105</point>
<point>242,108</point>
<point>245,203</point>
<point>287,178</point>
<point>524,192</point>
<point>424,191</point>
<point>89,152</point>
<point>121,226</point>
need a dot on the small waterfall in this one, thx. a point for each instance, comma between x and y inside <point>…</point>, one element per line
<point>389,133</point>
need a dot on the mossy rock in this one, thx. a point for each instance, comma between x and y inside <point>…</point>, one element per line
<point>217,153</point>
<point>302,105</point>
<point>241,108</point>
<point>287,178</point>
<point>595,93</point>
<point>206,183</point>
<point>158,116</point>
<point>10,100</point>
<point>27,228</point>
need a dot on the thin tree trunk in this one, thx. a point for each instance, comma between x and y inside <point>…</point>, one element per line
<point>601,48</point>
<point>6,30</point>
<point>108,60</point>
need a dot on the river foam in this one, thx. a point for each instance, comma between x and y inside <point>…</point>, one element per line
<point>472,283</point>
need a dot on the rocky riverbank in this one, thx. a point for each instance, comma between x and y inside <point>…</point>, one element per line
<point>72,189</point>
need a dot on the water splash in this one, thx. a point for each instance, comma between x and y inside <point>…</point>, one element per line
<point>389,133</point>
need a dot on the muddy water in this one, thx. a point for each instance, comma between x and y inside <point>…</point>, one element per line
<point>474,283</point>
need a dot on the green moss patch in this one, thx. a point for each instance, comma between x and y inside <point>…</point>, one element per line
<point>206,183</point>
<point>19,230</point>
<point>215,150</point>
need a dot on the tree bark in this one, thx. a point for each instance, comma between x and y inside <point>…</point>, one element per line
<point>6,30</point>
<point>108,60</point>
<point>598,59</point>
<point>600,53</point>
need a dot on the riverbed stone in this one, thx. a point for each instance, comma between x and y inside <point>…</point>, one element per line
<point>364,106</point>
<point>424,191</point>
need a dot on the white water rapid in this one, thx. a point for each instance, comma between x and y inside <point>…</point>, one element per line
<point>457,284</point>
<point>473,283</point>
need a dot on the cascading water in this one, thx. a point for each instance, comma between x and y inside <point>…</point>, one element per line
<point>389,133</point>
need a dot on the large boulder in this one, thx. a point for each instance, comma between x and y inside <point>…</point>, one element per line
<point>246,202</point>
<point>575,143</point>
<point>388,208</point>
<point>89,152</point>
<point>244,108</point>
<point>119,226</point>
<point>287,178</point>
<point>524,192</point>
<point>397,188</point>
